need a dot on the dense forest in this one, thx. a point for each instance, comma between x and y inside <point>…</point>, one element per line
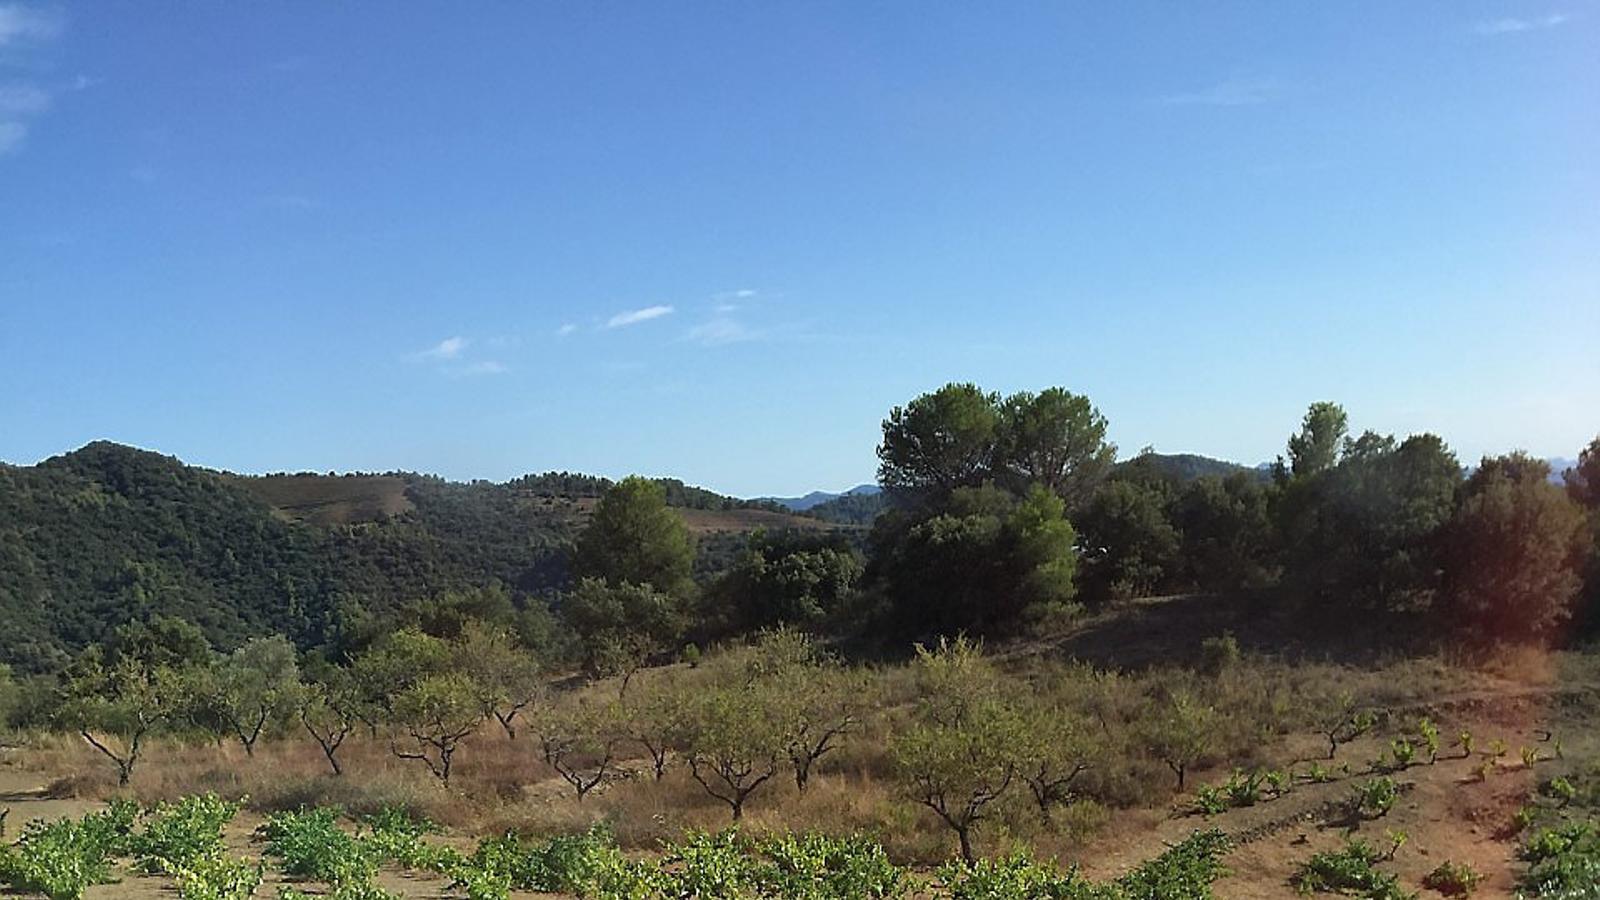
<point>108,534</point>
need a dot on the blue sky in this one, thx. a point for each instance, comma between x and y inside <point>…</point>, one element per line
<point>719,241</point>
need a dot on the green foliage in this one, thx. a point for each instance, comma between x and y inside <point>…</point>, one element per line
<point>1350,870</point>
<point>183,833</point>
<point>1564,860</point>
<point>310,844</point>
<point>1453,879</point>
<point>813,866</point>
<point>1017,877</point>
<point>1514,551</point>
<point>633,538</point>
<point>62,859</point>
<point>967,743</point>
<point>1375,797</point>
<point>793,578</point>
<point>1316,447</point>
<point>621,626</point>
<point>985,562</point>
<point>1131,546</point>
<point>215,877</point>
<point>1364,532</point>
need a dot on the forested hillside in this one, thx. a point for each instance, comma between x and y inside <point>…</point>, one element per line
<point>110,534</point>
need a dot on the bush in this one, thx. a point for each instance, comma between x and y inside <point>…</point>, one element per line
<point>1349,870</point>
<point>309,844</point>
<point>64,858</point>
<point>180,835</point>
<point>1452,879</point>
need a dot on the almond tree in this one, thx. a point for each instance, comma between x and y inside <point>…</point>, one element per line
<point>580,740</point>
<point>968,741</point>
<point>115,707</point>
<point>734,743</point>
<point>437,713</point>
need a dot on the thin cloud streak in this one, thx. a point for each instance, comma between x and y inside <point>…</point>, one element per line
<point>449,348</point>
<point>1512,26</point>
<point>635,316</point>
<point>18,23</point>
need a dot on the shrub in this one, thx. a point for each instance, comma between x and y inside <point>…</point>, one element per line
<point>1016,877</point>
<point>815,866</point>
<point>1349,870</point>
<point>64,858</point>
<point>214,878</point>
<point>179,835</point>
<point>309,844</point>
<point>1376,797</point>
<point>1452,879</point>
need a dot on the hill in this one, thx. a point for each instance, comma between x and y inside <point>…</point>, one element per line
<point>107,534</point>
<point>1186,467</point>
<point>817,498</point>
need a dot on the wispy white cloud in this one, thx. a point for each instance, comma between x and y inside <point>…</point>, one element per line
<point>1512,26</point>
<point>719,331</point>
<point>635,316</point>
<point>19,23</point>
<point>449,348</point>
<point>1233,92</point>
<point>21,102</point>
<point>566,329</point>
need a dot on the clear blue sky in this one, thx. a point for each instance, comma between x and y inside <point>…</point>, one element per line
<point>719,241</point>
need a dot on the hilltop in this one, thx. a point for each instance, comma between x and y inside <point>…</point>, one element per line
<point>107,533</point>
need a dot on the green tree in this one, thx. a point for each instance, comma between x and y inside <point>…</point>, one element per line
<point>1514,551</point>
<point>1130,545</point>
<point>989,563</point>
<point>437,713</point>
<point>635,538</point>
<point>1315,448</point>
<point>1054,438</point>
<point>1225,533</point>
<point>1179,731</point>
<point>622,626</point>
<point>255,689</point>
<point>394,664</point>
<point>786,579</point>
<point>116,705</point>
<point>579,740</point>
<point>507,676</point>
<point>967,743</point>
<point>1583,479</point>
<point>329,709</point>
<point>734,739</point>
<point>938,442</point>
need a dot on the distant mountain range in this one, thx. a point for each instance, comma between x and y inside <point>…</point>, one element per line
<point>817,498</point>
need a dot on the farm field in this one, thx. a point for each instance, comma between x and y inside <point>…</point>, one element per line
<point>1533,720</point>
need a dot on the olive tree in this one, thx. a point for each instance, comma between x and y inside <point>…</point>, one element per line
<point>254,689</point>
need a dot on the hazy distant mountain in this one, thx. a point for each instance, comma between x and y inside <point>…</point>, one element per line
<point>817,498</point>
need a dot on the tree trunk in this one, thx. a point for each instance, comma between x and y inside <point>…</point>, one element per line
<point>964,832</point>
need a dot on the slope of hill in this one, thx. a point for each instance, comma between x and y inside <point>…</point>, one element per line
<point>817,498</point>
<point>1186,467</point>
<point>106,534</point>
